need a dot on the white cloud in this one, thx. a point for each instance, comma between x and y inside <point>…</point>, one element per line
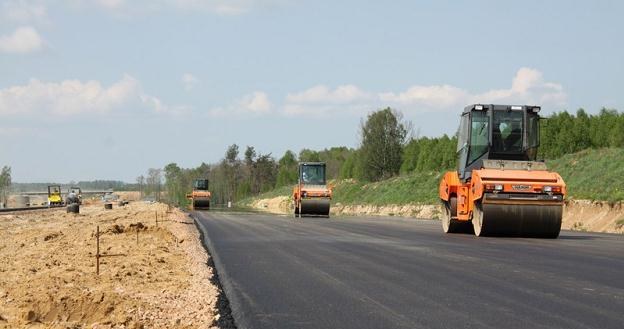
<point>256,103</point>
<point>73,97</point>
<point>23,40</point>
<point>528,87</point>
<point>322,94</point>
<point>23,11</point>
<point>111,4</point>
<point>434,96</point>
<point>189,81</point>
<point>219,7</point>
<point>321,100</point>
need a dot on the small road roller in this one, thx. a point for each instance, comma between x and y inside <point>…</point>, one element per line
<point>55,199</point>
<point>499,188</point>
<point>200,196</point>
<point>311,195</point>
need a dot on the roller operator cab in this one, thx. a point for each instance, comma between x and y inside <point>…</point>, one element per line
<point>499,187</point>
<point>311,195</point>
<point>74,195</point>
<point>200,196</point>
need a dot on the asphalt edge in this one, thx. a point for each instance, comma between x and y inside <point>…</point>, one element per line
<point>227,309</point>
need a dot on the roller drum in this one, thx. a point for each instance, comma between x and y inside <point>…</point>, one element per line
<point>525,220</point>
<point>315,207</point>
<point>201,203</point>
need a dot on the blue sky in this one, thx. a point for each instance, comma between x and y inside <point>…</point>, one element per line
<point>105,89</point>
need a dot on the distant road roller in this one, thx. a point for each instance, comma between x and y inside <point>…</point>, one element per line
<point>499,189</point>
<point>311,195</point>
<point>200,196</point>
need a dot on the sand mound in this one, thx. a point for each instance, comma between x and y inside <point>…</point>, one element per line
<point>48,270</point>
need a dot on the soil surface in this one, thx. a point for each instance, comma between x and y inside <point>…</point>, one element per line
<point>48,269</point>
<point>578,215</point>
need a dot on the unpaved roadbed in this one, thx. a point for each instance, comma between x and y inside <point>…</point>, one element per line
<point>48,270</point>
<point>578,215</point>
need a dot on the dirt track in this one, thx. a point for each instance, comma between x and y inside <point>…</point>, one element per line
<point>48,280</point>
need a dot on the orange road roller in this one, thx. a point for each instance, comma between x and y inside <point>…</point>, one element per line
<point>200,197</point>
<point>311,195</point>
<point>499,188</point>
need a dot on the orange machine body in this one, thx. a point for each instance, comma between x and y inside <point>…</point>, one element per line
<point>200,196</point>
<point>515,182</point>
<point>301,192</point>
<point>312,195</point>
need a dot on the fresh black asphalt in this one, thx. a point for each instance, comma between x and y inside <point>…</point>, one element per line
<point>353,272</point>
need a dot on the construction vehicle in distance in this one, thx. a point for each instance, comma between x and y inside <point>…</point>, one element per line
<point>499,188</point>
<point>200,197</point>
<point>311,195</point>
<point>55,199</point>
<point>77,193</point>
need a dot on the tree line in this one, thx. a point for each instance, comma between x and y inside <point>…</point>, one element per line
<point>387,148</point>
<point>565,133</point>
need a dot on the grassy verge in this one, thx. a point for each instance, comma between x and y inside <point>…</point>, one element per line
<point>589,174</point>
<point>593,174</point>
<point>280,191</point>
<point>413,188</point>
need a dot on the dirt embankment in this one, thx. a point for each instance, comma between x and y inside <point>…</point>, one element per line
<point>594,216</point>
<point>283,205</point>
<point>48,270</point>
<point>277,205</point>
<point>580,215</point>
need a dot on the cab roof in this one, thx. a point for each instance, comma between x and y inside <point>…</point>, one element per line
<point>498,107</point>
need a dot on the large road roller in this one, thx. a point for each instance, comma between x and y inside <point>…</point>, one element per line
<point>200,197</point>
<point>499,188</point>
<point>311,195</point>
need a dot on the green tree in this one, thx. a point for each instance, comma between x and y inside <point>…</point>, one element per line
<point>383,137</point>
<point>307,155</point>
<point>175,184</point>
<point>287,169</point>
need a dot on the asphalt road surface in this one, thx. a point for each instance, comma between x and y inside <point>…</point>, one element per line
<point>281,272</point>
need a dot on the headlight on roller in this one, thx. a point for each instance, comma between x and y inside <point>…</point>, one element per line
<point>548,189</point>
<point>498,187</point>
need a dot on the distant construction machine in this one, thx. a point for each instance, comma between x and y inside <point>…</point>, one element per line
<point>55,199</point>
<point>499,188</point>
<point>311,195</point>
<point>200,197</point>
<point>76,193</point>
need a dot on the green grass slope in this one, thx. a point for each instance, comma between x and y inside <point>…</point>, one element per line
<point>589,174</point>
<point>593,174</point>
<point>413,188</point>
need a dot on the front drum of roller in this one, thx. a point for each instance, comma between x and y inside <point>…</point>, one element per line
<point>530,220</point>
<point>201,203</point>
<point>314,207</point>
